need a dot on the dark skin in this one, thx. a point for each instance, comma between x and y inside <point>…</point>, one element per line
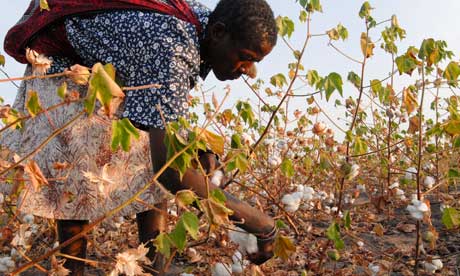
<point>229,59</point>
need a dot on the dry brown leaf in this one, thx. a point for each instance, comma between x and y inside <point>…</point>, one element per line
<point>379,230</point>
<point>35,175</point>
<point>409,100</point>
<point>406,228</point>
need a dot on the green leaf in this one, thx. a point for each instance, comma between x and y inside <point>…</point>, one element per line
<point>347,219</point>
<point>365,10</point>
<point>359,146</point>
<point>343,32</point>
<point>218,195</point>
<point>456,142</point>
<point>313,78</point>
<point>33,103</point>
<point>333,82</point>
<point>408,62</point>
<point>333,34</point>
<point>178,236</point>
<point>44,5</point>
<point>285,26</point>
<point>303,16</point>
<point>429,52</point>
<point>451,218</point>
<point>62,90</point>
<point>185,197</point>
<point>236,141</point>
<point>122,132</point>
<point>280,224</point>
<point>278,80</point>
<point>287,168</point>
<point>314,5</point>
<point>376,86</point>
<point>163,244</point>
<point>2,60</point>
<point>452,72</point>
<point>241,162</point>
<point>333,233</point>
<point>453,173</point>
<point>452,127</point>
<point>245,111</point>
<point>283,247</point>
<point>191,224</point>
<point>355,79</point>
<point>333,254</point>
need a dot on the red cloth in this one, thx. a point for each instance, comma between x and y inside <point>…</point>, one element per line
<point>30,31</point>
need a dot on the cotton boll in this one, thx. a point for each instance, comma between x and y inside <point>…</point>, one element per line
<point>269,142</point>
<point>417,209</point>
<point>251,246</point>
<point>28,218</point>
<point>410,173</point>
<point>443,206</point>
<point>437,263</point>
<point>429,267</point>
<point>428,182</point>
<point>217,177</point>
<point>220,269</point>
<point>361,188</point>
<point>247,139</point>
<point>394,185</point>
<point>247,243</point>
<point>3,268</point>
<point>282,145</point>
<point>186,274</point>
<point>292,201</point>
<point>2,198</point>
<point>360,244</point>
<point>374,269</point>
<point>308,193</point>
<point>238,264</point>
<point>274,161</point>
<point>354,172</point>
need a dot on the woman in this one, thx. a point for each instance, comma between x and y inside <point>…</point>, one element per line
<point>172,45</point>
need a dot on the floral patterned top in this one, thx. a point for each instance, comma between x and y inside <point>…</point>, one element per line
<point>145,48</point>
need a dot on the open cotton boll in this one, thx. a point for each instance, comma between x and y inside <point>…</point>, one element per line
<point>432,266</point>
<point>428,182</point>
<point>217,177</point>
<point>274,161</point>
<point>220,269</point>
<point>308,193</point>
<point>269,142</point>
<point>292,201</point>
<point>238,263</point>
<point>28,218</point>
<point>354,172</point>
<point>374,268</point>
<point>2,198</point>
<point>282,145</point>
<point>394,185</point>
<point>437,263</point>
<point>417,209</point>
<point>247,139</point>
<point>410,173</point>
<point>247,243</point>
<point>186,274</point>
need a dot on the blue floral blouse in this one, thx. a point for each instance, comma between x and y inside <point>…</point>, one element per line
<point>145,48</point>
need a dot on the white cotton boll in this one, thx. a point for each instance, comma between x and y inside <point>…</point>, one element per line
<point>428,166</point>
<point>354,172</point>
<point>361,188</point>
<point>428,182</point>
<point>442,207</point>
<point>292,201</point>
<point>269,142</point>
<point>327,209</point>
<point>360,244</point>
<point>186,274</point>
<point>437,263</point>
<point>429,267</point>
<point>417,209</point>
<point>8,262</point>
<point>334,209</point>
<point>2,198</point>
<point>374,269</point>
<point>34,228</point>
<point>394,185</point>
<point>321,195</point>
<point>400,193</point>
<point>3,268</point>
<point>392,159</point>
<point>247,243</point>
<point>410,173</point>
<point>237,268</point>
<point>237,257</point>
<point>308,193</point>
<point>247,139</point>
<point>220,269</point>
<point>300,188</point>
<point>217,177</point>
<point>282,145</point>
<point>274,161</point>
<point>28,218</point>
<point>251,246</point>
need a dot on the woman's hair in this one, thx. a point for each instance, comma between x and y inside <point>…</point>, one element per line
<point>250,21</point>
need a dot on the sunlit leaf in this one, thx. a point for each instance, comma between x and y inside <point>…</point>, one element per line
<point>2,60</point>
<point>215,211</point>
<point>452,72</point>
<point>355,79</point>
<point>347,219</point>
<point>62,90</point>
<point>283,247</point>
<point>185,197</point>
<point>413,124</point>
<point>367,46</point>
<point>285,26</point>
<point>178,236</point>
<point>163,244</point>
<point>409,100</point>
<point>35,175</point>
<point>122,132</point>
<point>287,168</point>
<point>333,233</point>
<point>313,78</point>
<point>213,141</point>
<point>278,80</point>
<point>333,254</point>
<point>333,82</point>
<point>451,218</point>
<point>44,5</point>
<point>359,146</point>
<point>33,103</point>
<point>365,10</point>
<point>191,224</point>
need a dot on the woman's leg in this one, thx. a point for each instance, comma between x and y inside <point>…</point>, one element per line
<point>150,224</point>
<point>66,230</point>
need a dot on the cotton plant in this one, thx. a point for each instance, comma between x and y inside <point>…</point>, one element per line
<point>428,182</point>
<point>410,173</point>
<point>374,268</point>
<point>417,209</point>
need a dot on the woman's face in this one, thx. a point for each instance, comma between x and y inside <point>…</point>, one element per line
<point>229,59</point>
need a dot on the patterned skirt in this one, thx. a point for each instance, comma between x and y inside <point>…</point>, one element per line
<point>86,179</point>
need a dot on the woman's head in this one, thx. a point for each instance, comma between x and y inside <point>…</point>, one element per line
<point>239,33</point>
